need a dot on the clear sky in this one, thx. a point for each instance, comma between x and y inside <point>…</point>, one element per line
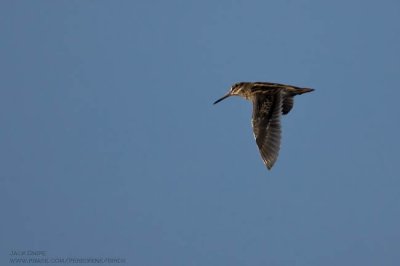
<point>111,147</point>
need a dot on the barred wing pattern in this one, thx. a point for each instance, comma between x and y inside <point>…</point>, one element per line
<point>267,109</point>
<point>287,104</point>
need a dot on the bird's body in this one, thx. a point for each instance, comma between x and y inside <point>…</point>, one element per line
<point>270,101</point>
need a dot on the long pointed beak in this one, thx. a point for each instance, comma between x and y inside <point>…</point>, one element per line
<point>223,98</point>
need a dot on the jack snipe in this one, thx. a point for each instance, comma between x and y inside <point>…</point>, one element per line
<point>270,100</point>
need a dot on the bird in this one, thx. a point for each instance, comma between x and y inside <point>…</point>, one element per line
<point>270,101</point>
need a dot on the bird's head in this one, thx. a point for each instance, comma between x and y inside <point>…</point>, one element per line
<point>236,89</point>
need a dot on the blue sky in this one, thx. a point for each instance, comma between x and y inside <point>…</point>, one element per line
<point>111,147</point>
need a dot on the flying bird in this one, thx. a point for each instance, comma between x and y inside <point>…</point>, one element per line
<point>270,101</point>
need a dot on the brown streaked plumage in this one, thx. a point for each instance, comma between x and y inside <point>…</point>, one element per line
<point>270,101</point>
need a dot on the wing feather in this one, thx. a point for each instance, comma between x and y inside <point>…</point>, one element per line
<point>287,104</point>
<point>267,109</point>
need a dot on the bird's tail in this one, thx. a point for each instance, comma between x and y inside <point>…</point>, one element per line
<point>303,90</point>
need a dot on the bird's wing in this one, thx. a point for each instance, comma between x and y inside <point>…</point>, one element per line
<point>287,104</point>
<point>267,109</point>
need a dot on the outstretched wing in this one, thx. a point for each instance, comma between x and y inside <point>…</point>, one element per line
<point>267,109</point>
